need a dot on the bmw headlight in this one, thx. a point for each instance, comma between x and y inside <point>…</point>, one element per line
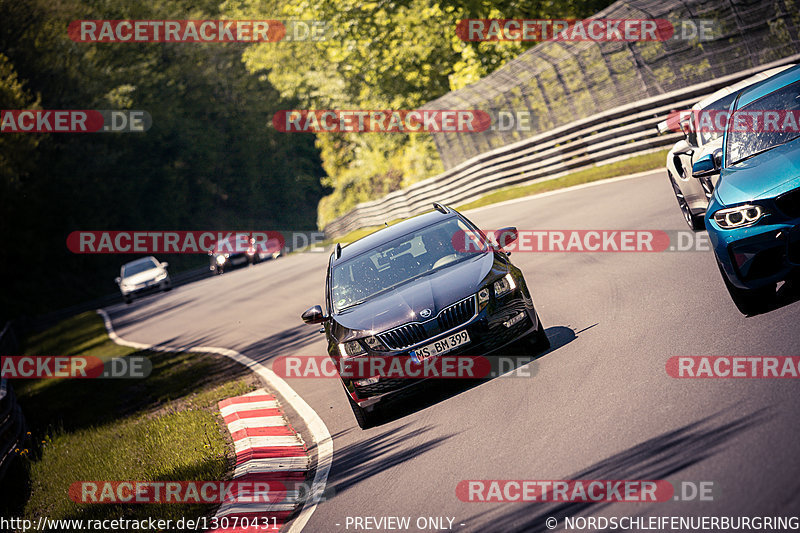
<point>739,217</point>
<point>375,343</point>
<point>349,349</point>
<point>504,285</point>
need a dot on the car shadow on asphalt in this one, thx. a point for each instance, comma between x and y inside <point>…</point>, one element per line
<point>519,358</point>
<point>142,310</point>
<point>290,341</point>
<point>377,454</point>
<point>654,459</point>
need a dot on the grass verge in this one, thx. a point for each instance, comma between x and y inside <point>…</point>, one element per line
<point>639,163</point>
<point>159,428</point>
<point>635,164</point>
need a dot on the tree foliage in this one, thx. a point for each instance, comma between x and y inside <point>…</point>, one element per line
<point>209,161</point>
<point>383,54</point>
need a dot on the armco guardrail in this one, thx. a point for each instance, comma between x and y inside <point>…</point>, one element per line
<point>603,138</point>
<point>12,423</point>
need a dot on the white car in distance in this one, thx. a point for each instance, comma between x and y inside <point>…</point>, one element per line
<point>142,276</point>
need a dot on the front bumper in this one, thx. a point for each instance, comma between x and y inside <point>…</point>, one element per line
<point>488,336</point>
<point>150,287</point>
<point>759,255</point>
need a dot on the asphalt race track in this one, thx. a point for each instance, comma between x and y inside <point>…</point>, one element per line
<point>598,405</point>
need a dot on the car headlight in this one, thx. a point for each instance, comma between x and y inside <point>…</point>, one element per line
<point>739,217</point>
<point>483,297</point>
<point>349,349</point>
<point>220,259</point>
<point>504,285</point>
<point>375,343</point>
<point>161,276</point>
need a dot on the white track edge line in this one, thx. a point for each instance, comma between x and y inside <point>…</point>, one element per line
<point>317,428</point>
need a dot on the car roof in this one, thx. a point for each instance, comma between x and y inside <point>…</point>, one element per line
<point>769,85</point>
<point>389,233</point>
<point>738,86</point>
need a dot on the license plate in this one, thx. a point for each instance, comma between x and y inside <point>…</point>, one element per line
<point>441,346</point>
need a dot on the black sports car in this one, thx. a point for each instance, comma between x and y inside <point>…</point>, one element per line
<point>411,291</point>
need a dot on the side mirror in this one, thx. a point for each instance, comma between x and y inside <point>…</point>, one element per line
<point>164,264</point>
<point>705,166</point>
<point>683,147</point>
<point>505,236</point>
<point>314,315</point>
<point>118,280</point>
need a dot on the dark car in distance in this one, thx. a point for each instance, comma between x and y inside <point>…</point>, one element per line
<point>229,253</point>
<point>408,290</point>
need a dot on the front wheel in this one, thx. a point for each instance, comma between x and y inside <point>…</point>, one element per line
<point>539,341</point>
<point>366,419</point>
<point>748,301</point>
<point>695,222</point>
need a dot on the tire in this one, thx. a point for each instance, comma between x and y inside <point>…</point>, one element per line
<point>128,301</point>
<point>539,341</point>
<point>365,419</point>
<point>748,301</point>
<point>695,222</point>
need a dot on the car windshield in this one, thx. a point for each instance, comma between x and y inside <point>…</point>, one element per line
<point>131,269</point>
<point>399,261</point>
<point>709,134</point>
<point>745,142</point>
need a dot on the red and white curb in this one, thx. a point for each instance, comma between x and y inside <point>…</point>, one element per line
<point>267,450</point>
<point>316,427</point>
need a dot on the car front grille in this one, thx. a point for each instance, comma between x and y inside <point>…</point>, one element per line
<point>407,335</point>
<point>456,314</point>
<point>416,332</point>
<point>789,203</point>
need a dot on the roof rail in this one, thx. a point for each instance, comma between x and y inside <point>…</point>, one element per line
<point>439,207</point>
